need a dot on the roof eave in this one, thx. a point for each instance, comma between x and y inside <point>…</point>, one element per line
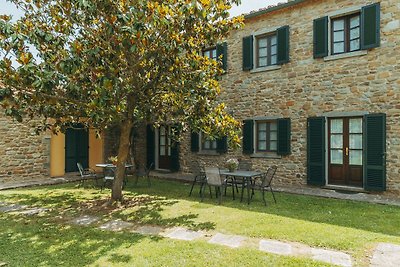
<point>274,8</point>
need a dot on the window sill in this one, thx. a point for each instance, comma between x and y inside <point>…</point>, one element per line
<point>268,68</point>
<point>346,55</point>
<point>267,155</point>
<point>208,153</point>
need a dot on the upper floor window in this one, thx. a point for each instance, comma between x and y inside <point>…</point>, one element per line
<point>346,34</point>
<point>266,50</point>
<point>347,30</point>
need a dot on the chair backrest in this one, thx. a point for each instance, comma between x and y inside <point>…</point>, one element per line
<point>109,172</point>
<point>213,176</point>
<point>268,176</point>
<point>245,165</point>
<point>148,169</point>
<point>80,168</point>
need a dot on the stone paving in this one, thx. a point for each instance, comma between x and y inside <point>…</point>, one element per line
<point>233,241</point>
<point>184,234</point>
<point>385,254</point>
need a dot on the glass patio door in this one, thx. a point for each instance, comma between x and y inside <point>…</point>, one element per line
<point>345,155</point>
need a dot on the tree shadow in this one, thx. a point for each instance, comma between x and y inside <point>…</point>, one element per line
<point>345,213</point>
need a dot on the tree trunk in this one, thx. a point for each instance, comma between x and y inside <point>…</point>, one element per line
<point>123,151</point>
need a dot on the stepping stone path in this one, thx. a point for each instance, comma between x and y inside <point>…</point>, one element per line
<point>386,255</point>
<point>12,207</point>
<point>233,241</point>
<point>85,220</point>
<point>32,211</point>
<point>116,225</point>
<point>184,234</point>
<point>333,257</point>
<point>275,247</point>
<point>149,230</point>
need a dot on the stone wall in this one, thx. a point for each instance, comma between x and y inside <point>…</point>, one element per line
<point>24,155</point>
<point>307,87</point>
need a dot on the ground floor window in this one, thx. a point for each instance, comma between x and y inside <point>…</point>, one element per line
<point>267,136</point>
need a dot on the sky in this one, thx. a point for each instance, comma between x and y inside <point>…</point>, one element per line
<point>247,5</point>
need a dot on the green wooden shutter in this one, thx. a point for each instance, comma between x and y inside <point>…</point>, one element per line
<point>194,142</point>
<point>150,145</point>
<point>175,164</point>
<point>248,137</point>
<point>222,145</point>
<point>283,136</point>
<point>248,52</point>
<point>375,152</point>
<point>283,44</point>
<point>370,26</point>
<point>316,151</point>
<point>222,49</point>
<point>321,37</point>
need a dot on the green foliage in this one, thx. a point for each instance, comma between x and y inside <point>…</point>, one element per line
<point>105,62</point>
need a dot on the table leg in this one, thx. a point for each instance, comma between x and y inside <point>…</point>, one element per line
<point>248,190</point>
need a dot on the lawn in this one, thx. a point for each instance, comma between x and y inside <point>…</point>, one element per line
<point>49,240</point>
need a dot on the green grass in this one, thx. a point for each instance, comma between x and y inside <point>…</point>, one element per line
<point>352,227</point>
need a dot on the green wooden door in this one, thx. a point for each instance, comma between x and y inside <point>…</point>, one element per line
<point>76,149</point>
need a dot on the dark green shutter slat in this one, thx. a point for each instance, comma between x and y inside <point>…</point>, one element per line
<point>283,136</point>
<point>316,151</point>
<point>283,44</point>
<point>76,148</point>
<point>222,49</point>
<point>370,26</point>
<point>247,53</point>
<point>150,145</point>
<point>194,142</point>
<point>321,37</point>
<point>175,165</point>
<point>374,152</point>
<point>222,145</point>
<point>248,137</point>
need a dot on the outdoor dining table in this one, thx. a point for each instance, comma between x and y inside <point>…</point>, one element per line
<point>247,175</point>
<point>112,166</point>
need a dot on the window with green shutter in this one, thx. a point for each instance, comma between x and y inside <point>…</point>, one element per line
<point>247,52</point>
<point>222,54</point>
<point>370,26</point>
<point>194,142</point>
<point>316,151</point>
<point>375,152</point>
<point>222,145</point>
<point>320,37</point>
<point>248,137</point>
<point>283,44</point>
<point>352,31</point>
<point>284,136</point>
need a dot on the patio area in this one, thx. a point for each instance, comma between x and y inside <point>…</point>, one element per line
<point>298,230</point>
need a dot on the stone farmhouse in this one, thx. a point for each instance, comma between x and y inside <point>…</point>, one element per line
<point>316,84</point>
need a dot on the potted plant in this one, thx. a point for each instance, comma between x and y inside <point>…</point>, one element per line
<point>113,159</point>
<point>232,164</point>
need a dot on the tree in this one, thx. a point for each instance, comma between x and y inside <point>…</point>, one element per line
<point>109,62</point>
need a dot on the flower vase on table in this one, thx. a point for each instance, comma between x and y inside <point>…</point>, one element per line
<point>232,164</point>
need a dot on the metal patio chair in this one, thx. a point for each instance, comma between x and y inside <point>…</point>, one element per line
<point>264,183</point>
<point>86,174</point>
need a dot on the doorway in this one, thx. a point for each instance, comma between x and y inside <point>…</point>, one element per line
<point>76,149</point>
<point>345,151</point>
<point>164,148</point>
